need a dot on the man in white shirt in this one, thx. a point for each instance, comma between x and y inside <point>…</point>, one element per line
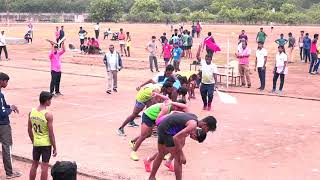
<point>113,63</point>
<point>208,79</point>
<point>261,61</point>
<point>3,45</point>
<point>97,30</point>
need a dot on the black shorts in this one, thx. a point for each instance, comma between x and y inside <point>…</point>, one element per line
<point>164,138</point>
<point>185,47</point>
<point>43,151</point>
<point>189,47</point>
<point>147,121</point>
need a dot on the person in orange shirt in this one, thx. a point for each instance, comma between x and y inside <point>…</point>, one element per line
<point>122,42</point>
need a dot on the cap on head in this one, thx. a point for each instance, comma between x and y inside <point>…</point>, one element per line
<point>4,77</point>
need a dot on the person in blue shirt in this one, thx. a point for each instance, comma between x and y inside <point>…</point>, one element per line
<point>176,56</point>
<point>5,129</point>
<point>306,48</point>
<point>281,41</point>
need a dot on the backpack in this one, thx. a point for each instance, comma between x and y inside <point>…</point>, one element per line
<point>64,170</point>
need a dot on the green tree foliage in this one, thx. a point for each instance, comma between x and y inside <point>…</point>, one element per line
<point>105,10</point>
<point>235,11</point>
<point>145,11</point>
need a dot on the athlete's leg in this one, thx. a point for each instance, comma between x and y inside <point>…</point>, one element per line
<point>44,171</point>
<point>131,117</point>
<point>33,170</point>
<point>156,164</point>
<point>145,133</point>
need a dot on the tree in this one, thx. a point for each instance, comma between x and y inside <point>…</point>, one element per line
<point>105,10</point>
<point>145,11</point>
<point>288,8</point>
<point>167,6</point>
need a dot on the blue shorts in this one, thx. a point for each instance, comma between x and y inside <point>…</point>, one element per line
<point>139,105</point>
<point>146,120</point>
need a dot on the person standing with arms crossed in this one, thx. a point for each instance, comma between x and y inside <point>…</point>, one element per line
<point>5,130</point>
<point>292,44</point>
<point>40,130</point>
<point>3,45</point>
<point>152,49</point>
<point>57,34</point>
<point>82,34</point>
<point>280,69</point>
<point>261,61</point>
<point>54,57</point>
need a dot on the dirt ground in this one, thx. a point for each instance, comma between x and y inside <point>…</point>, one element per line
<point>261,137</point>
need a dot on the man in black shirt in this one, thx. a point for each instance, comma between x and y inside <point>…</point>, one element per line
<point>172,132</point>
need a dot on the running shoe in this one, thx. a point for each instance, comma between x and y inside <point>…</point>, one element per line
<point>147,165</point>
<point>204,108</point>
<point>133,124</point>
<point>120,132</point>
<point>134,156</point>
<point>209,108</point>
<point>14,175</point>
<point>132,144</point>
<point>170,166</point>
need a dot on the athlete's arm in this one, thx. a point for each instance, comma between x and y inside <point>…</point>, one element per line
<point>179,138</point>
<point>198,53</point>
<point>180,105</point>
<point>30,128</point>
<point>156,94</point>
<point>145,83</point>
<point>49,118</point>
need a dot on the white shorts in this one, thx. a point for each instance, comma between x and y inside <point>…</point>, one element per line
<point>121,42</point>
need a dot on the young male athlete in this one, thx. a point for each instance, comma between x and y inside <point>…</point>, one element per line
<point>40,130</point>
<point>149,117</point>
<point>172,132</point>
<point>146,96</point>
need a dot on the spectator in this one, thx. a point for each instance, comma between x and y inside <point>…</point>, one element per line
<point>176,56</point>
<point>57,34</point>
<point>82,34</point>
<point>243,36</point>
<point>193,29</point>
<point>281,41</point>
<point>261,36</point>
<point>97,30</point>
<point>280,69</point>
<point>166,52</point>
<point>314,53</point>
<point>306,47</point>
<point>61,34</point>
<point>3,45</point>
<point>128,43</point>
<point>292,44</point>
<point>55,58</point>
<point>122,38</point>
<point>5,130</point>
<point>208,79</point>
<point>261,61</point>
<point>243,56</point>
<point>198,29</point>
<point>28,37</point>
<point>316,67</point>
<point>301,45</point>
<point>152,49</point>
<point>94,47</point>
<point>107,33</point>
<point>113,63</point>
<point>163,38</point>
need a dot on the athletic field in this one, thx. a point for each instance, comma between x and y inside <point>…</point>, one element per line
<point>263,137</point>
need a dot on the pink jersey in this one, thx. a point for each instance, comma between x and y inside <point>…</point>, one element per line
<point>167,48</point>
<point>55,60</point>
<point>209,42</point>
<point>57,34</point>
